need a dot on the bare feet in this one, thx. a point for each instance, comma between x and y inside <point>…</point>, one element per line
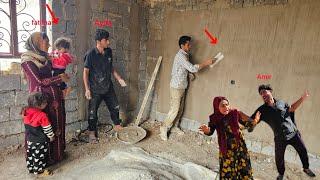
<point>92,137</point>
<point>118,127</point>
<point>45,173</point>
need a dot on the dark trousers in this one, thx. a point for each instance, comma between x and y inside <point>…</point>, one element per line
<point>297,143</point>
<point>56,72</point>
<point>111,101</point>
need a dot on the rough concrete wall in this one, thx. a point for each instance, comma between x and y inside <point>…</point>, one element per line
<point>69,12</point>
<point>280,40</point>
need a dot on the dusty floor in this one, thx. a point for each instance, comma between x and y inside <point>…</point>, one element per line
<point>191,147</point>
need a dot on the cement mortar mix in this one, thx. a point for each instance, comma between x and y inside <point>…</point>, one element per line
<point>134,163</point>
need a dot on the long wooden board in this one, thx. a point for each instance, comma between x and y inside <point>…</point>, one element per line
<point>146,96</point>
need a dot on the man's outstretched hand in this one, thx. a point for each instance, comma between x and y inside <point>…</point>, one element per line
<point>305,95</point>
<point>122,83</point>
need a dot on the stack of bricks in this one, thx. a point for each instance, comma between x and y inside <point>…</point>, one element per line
<point>13,96</point>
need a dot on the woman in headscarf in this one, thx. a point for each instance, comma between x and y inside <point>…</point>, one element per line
<point>38,72</point>
<point>234,158</point>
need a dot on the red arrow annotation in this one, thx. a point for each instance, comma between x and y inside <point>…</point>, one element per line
<point>55,20</point>
<point>213,40</point>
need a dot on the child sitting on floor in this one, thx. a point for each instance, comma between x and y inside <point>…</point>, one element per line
<point>38,133</point>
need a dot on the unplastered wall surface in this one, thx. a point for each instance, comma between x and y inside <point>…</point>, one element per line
<point>277,40</point>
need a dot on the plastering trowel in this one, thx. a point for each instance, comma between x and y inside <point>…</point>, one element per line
<point>217,58</point>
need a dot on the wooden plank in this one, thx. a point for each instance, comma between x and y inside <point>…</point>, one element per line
<point>146,96</point>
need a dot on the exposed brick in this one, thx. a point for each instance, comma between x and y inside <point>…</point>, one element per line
<point>84,124</point>
<point>23,84</point>
<point>264,2</point>
<point>115,19</point>
<point>7,99</point>
<point>269,2</point>
<point>281,2</point>
<point>126,41</point>
<point>10,127</point>
<point>155,23</point>
<point>21,138</point>
<point>157,34</point>
<point>4,114</point>
<point>70,2</point>
<point>236,3</point>
<point>71,105</point>
<point>72,117</point>
<point>118,56</point>
<point>188,8</point>
<point>73,127</point>
<point>124,9</point>
<point>73,82</point>
<point>119,46</point>
<point>21,98</point>
<point>248,3</point>
<point>70,12</point>
<point>9,82</point>
<point>142,60</point>
<point>57,8</point>
<point>203,6</point>
<point>61,27</point>
<point>113,45</point>
<point>73,94</point>
<point>70,28</point>
<point>126,55</point>
<point>111,6</point>
<point>15,113</point>
<point>8,141</point>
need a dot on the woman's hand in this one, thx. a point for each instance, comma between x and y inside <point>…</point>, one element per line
<point>64,77</point>
<point>205,129</point>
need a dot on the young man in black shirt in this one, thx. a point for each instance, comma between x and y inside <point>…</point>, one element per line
<point>280,117</point>
<point>98,85</point>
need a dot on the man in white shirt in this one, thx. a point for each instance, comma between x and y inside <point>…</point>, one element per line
<point>179,82</point>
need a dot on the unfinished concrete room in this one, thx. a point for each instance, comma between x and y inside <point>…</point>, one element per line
<point>159,89</point>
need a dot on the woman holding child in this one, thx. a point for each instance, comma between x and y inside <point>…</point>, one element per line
<point>38,72</point>
<point>233,156</point>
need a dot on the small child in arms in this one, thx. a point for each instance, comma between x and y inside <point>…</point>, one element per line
<point>61,58</point>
